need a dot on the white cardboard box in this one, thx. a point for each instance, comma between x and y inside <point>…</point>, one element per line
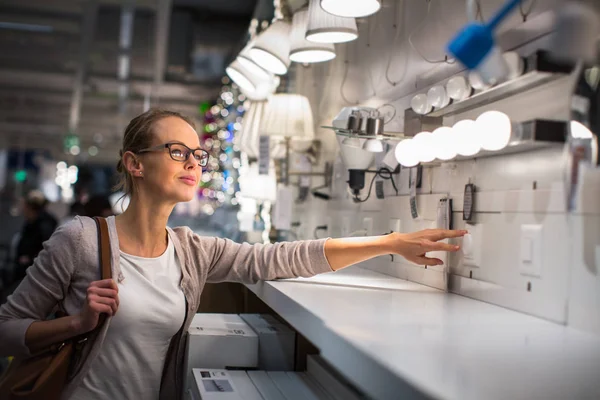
<point>276,342</point>
<point>220,384</point>
<point>219,341</point>
<point>295,388</point>
<point>329,380</point>
<point>265,385</point>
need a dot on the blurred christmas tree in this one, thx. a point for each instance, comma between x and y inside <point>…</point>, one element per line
<point>221,121</point>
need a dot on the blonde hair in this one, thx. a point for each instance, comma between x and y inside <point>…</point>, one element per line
<point>138,135</point>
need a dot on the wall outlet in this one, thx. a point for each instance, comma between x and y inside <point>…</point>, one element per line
<point>530,254</point>
<point>367,226</point>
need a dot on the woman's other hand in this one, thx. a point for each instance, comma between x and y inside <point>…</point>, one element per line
<point>102,297</point>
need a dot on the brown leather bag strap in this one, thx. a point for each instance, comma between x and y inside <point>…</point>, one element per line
<point>104,247</point>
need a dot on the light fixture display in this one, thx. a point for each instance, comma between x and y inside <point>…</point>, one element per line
<point>495,130</point>
<point>247,62</point>
<point>272,48</point>
<point>406,153</point>
<point>424,146</point>
<point>324,27</point>
<point>303,51</point>
<point>458,88</point>
<point>373,145</point>
<point>351,8</point>
<point>445,143</point>
<point>437,97</point>
<point>420,104</point>
<point>467,137</point>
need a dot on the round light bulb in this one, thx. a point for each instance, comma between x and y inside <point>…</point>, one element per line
<point>437,97</point>
<point>406,154</point>
<point>495,129</point>
<point>467,138</point>
<point>580,131</point>
<point>476,82</point>
<point>351,8</point>
<point>420,105</point>
<point>445,143</point>
<point>424,145</point>
<point>515,63</point>
<point>458,88</point>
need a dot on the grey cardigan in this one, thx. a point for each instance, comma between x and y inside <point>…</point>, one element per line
<point>60,275</point>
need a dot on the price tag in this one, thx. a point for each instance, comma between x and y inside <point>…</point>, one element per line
<point>264,157</point>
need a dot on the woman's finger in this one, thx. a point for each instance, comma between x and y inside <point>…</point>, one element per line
<point>429,261</point>
<point>105,283</point>
<point>428,245</point>
<point>102,308</point>
<point>441,234</point>
<point>108,301</point>
<point>104,292</point>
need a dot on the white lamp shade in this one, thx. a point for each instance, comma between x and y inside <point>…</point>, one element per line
<point>256,186</point>
<point>250,133</point>
<point>424,146</point>
<point>247,81</point>
<point>352,142</point>
<point>324,27</point>
<point>303,51</point>
<point>373,145</point>
<point>445,143</point>
<point>351,8</point>
<point>246,60</point>
<point>288,115</point>
<point>406,153</point>
<point>272,48</point>
<point>468,142</point>
<point>495,129</point>
<point>356,158</point>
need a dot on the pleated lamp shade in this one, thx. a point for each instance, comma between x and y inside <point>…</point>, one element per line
<point>323,27</point>
<point>250,133</point>
<point>253,86</point>
<point>288,115</point>
<point>303,51</point>
<point>351,8</point>
<point>272,48</point>
<point>247,62</point>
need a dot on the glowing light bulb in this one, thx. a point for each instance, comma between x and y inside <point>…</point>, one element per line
<point>445,144</point>
<point>373,145</point>
<point>420,105</point>
<point>495,129</point>
<point>406,154</point>
<point>580,131</point>
<point>467,137</point>
<point>425,146</point>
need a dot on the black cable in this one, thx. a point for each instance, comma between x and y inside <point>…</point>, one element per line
<point>378,172</point>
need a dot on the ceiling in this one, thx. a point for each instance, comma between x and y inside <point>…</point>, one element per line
<point>51,51</point>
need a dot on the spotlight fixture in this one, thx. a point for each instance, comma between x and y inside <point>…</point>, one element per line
<point>351,8</point>
<point>324,27</point>
<point>272,48</point>
<point>303,51</point>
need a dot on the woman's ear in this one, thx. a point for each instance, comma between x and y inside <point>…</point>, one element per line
<point>132,164</point>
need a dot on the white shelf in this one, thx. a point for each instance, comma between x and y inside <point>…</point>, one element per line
<point>398,339</point>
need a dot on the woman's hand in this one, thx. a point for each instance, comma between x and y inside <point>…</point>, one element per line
<point>102,297</point>
<point>414,246</point>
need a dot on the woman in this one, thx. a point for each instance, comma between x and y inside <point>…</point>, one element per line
<point>158,272</point>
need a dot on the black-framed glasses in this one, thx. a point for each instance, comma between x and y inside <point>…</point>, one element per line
<point>180,152</point>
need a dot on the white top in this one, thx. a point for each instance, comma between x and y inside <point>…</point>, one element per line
<point>151,311</point>
<point>391,336</point>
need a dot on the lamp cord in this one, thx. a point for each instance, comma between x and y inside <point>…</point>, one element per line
<point>388,176</point>
<point>445,60</point>
<point>526,14</point>
<point>397,27</point>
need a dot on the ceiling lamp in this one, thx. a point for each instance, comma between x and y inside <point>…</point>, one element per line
<point>245,59</point>
<point>328,28</point>
<point>254,87</point>
<point>351,8</point>
<point>303,51</point>
<point>272,48</point>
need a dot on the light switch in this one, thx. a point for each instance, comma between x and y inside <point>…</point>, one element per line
<point>530,253</point>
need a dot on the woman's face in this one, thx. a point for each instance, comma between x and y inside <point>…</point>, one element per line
<point>173,181</point>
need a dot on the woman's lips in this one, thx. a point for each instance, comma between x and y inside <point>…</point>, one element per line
<point>189,181</point>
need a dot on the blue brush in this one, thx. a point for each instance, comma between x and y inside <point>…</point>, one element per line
<point>475,41</point>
